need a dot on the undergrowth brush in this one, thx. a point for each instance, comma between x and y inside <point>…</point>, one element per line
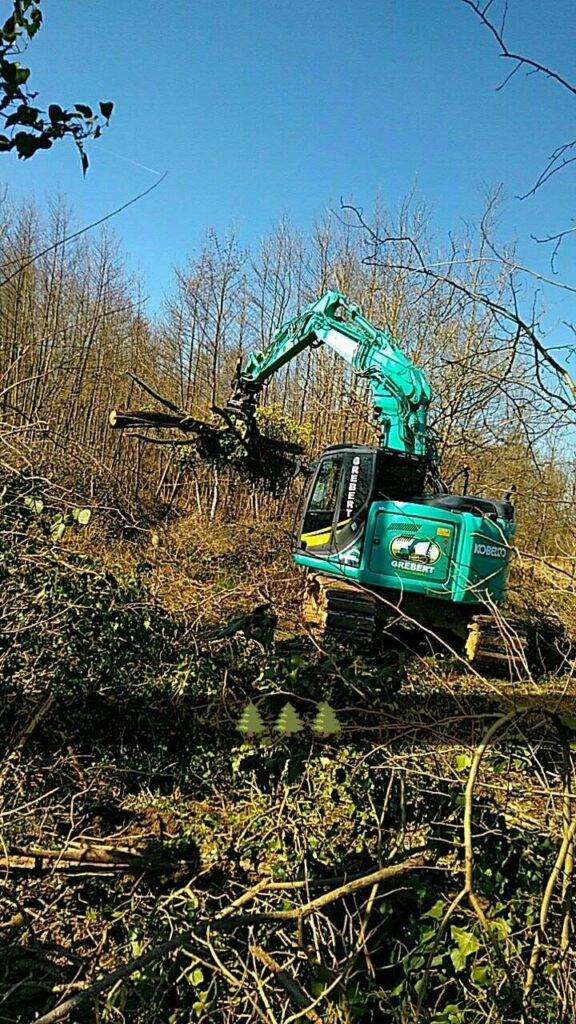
<point>414,865</point>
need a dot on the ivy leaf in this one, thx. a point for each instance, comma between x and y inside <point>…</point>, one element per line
<point>82,516</point>
<point>84,111</point>
<point>467,943</point>
<point>55,113</point>
<point>436,911</point>
<point>106,110</point>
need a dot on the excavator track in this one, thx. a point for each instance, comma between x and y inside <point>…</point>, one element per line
<point>335,608</point>
<point>496,646</point>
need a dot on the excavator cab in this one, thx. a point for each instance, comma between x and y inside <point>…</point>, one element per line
<point>347,479</point>
<point>338,499</point>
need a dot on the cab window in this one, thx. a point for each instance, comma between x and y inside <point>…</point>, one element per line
<point>322,504</point>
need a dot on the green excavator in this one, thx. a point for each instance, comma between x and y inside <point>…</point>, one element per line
<point>380,535</point>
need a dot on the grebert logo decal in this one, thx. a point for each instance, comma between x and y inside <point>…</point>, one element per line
<point>413,554</point>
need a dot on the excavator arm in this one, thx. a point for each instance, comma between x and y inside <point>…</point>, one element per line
<point>401,392</point>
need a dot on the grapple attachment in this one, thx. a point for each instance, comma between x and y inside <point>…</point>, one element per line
<point>233,440</point>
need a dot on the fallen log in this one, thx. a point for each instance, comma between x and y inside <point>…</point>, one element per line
<point>83,858</point>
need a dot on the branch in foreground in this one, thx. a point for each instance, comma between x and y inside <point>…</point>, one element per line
<point>558,160</point>
<point>512,316</point>
<point>505,52</point>
<point>81,231</point>
<point>186,942</point>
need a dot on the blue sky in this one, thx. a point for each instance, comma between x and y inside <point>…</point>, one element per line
<point>259,108</point>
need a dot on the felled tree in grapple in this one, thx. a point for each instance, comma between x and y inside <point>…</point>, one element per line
<point>326,723</point>
<point>288,721</point>
<point>251,723</point>
<point>31,128</point>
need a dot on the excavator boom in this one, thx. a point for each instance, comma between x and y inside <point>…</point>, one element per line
<point>401,392</point>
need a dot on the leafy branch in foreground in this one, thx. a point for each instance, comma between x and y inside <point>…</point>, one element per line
<point>30,128</point>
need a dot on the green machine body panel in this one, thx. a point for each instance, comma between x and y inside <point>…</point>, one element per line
<point>443,546</point>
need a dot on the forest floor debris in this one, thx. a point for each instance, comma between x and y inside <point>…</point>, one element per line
<point>221,878</point>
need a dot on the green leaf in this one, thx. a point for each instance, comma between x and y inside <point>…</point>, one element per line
<point>21,74</point>
<point>84,111</point>
<point>34,23</point>
<point>34,504</point>
<point>57,530</point>
<point>481,976</point>
<point>27,144</point>
<point>200,1006</point>
<point>82,516</point>
<point>14,75</point>
<point>196,977</point>
<point>451,1014</point>
<point>55,113</point>
<point>436,911</point>
<point>467,943</point>
<point>25,115</point>
<point>10,30</point>
<point>106,110</point>
<point>499,927</point>
<point>463,762</point>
